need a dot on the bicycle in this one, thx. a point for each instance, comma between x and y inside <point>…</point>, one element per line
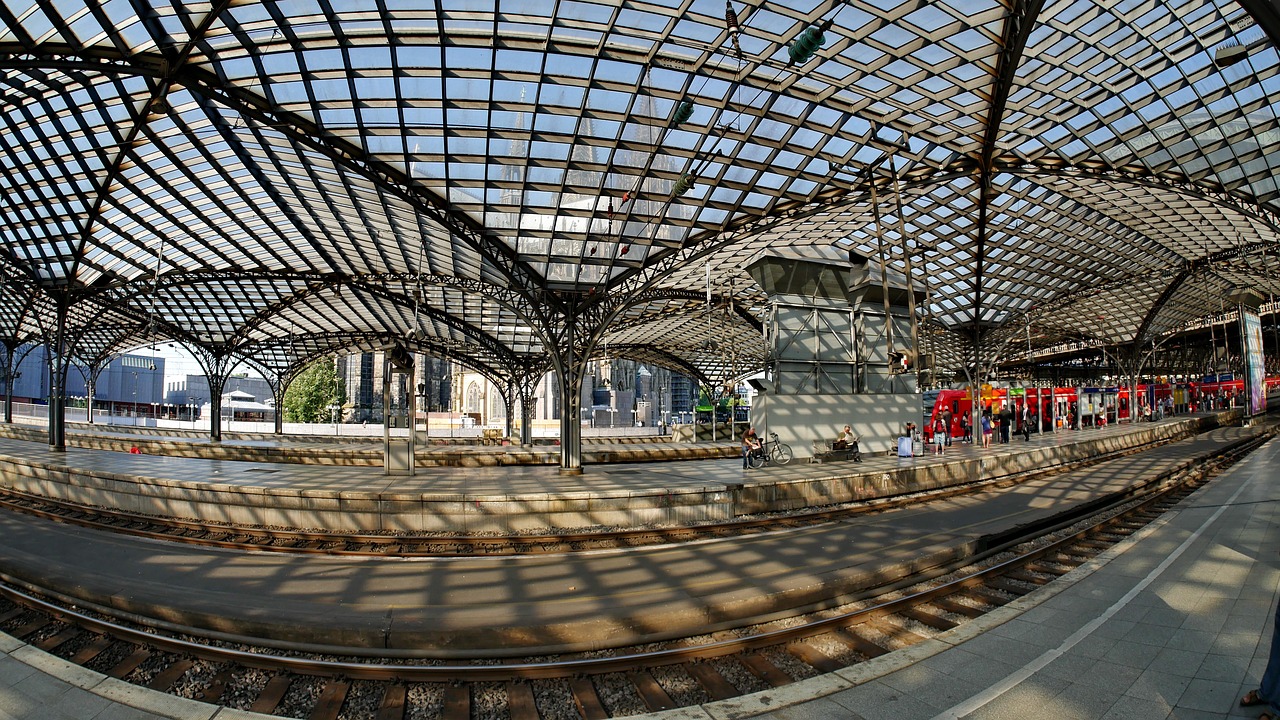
<point>771,451</point>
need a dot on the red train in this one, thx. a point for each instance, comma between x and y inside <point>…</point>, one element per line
<point>1087,406</point>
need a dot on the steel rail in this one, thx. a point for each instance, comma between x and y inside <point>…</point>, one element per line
<point>493,545</point>
<point>1157,489</point>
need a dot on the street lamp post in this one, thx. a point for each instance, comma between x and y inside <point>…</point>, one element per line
<point>337,400</point>
<point>425,407</point>
<point>662,420</point>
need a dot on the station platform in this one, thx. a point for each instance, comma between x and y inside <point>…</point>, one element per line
<point>1174,622</point>
<point>363,451</point>
<point>236,487</point>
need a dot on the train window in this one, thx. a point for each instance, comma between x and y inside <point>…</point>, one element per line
<point>955,407</point>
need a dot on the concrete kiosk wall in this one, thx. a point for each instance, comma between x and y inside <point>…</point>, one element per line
<point>800,419</point>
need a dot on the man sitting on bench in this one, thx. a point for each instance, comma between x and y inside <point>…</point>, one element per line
<point>844,439</point>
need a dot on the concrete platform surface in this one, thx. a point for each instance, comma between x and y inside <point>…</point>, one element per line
<point>541,604</point>
<point>365,451</point>
<point>242,490</point>
<point>1174,622</point>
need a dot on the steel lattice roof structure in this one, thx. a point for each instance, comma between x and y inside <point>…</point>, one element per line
<point>515,184</point>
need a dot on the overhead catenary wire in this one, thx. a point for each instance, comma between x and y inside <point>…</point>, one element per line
<point>884,267</point>
<point>700,158</point>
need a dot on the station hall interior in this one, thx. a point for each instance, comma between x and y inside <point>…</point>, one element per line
<point>537,267</point>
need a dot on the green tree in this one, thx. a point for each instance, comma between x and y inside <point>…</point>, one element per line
<point>312,392</point>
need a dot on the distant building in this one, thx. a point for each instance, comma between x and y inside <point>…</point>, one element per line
<point>477,397</point>
<point>360,376</point>
<point>194,389</point>
<point>241,406</point>
<point>684,394</point>
<point>615,392</point>
<point>127,382</point>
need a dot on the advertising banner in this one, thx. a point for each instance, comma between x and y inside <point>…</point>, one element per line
<point>1254,369</point>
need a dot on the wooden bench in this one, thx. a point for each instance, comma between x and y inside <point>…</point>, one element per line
<point>822,452</point>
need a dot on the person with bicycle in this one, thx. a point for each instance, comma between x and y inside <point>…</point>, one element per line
<point>750,444</point>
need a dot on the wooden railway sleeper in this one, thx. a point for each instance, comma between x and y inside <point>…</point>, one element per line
<point>521,704</point>
<point>760,666</point>
<point>654,696</point>
<point>711,681</point>
<point>1068,559</point>
<point>212,692</point>
<point>813,657</point>
<point>170,675</point>
<point>1042,568</point>
<point>951,605</point>
<point>272,694</point>
<point>1131,525</point>
<point>87,653</point>
<point>51,643</point>
<point>394,698</point>
<point>329,705</point>
<point>129,663</point>
<point>1026,577</point>
<point>859,644</point>
<point>928,619</point>
<point>992,595</point>
<point>457,702</point>
<point>11,613</point>
<point>902,634</point>
<point>585,697</point>
<point>32,627</point>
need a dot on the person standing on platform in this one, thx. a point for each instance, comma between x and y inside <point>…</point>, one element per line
<point>966,427</point>
<point>1026,423</point>
<point>750,444</point>
<point>986,429</point>
<point>946,422</point>
<point>1006,419</point>
<point>1268,692</point>
<point>940,433</point>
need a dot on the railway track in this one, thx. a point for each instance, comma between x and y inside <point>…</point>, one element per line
<point>591,686</point>
<point>288,540</point>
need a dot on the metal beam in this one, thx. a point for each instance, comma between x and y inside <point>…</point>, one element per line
<point>1267,14</point>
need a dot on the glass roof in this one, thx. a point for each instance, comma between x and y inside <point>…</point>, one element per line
<point>282,180</point>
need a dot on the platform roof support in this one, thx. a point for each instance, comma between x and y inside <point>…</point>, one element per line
<point>527,410</point>
<point>9,347</point>
<point>509,402</point>
<point>217,368</point>
<point>58,361</point>
<point>568,357</point>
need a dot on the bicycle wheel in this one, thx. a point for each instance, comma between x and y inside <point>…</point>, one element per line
<point>755,460</point>
<point>782,453</point>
